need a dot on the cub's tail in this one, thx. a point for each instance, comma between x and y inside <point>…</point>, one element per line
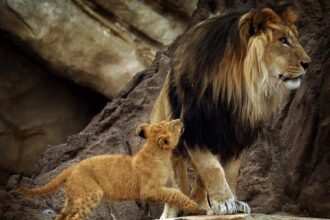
<point>50,187</point>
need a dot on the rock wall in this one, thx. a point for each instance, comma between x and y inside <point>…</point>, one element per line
<point>286,170</point>
<point>37,109</point>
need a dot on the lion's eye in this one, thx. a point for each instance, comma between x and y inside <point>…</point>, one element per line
<point>284,41</point>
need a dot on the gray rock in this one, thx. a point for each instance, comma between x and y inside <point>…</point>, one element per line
<point>99,44</point>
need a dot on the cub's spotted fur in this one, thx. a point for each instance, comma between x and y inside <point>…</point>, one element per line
<point>122,177</point>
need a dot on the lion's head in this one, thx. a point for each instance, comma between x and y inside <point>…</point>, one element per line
<point>275,40</point>
<point>165,134</point>
<point>244,60</point>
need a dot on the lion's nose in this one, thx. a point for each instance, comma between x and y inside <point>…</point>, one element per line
<point>305,64</point>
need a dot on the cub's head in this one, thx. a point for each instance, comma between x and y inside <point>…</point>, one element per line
<point>272,39</point>
<point>165,135</point>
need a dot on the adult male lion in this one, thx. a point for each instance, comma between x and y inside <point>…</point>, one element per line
<point>228,75</point>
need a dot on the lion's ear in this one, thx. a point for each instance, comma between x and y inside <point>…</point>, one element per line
<point>143,130</point>
<point>263,18</point>
<point>290,16</point>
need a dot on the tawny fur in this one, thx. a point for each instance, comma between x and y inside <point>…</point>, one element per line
<point>249,68</point>
<point>261,60</point>
<point>122,177</point>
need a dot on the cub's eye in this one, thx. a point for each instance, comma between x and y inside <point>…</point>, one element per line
<point>284,41</point>
<point>166,142</point>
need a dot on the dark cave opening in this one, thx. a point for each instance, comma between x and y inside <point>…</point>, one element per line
<point>37,109</point>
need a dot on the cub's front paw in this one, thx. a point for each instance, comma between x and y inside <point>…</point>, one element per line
<point>196,211</point>
<point>230,207</point>
<point>190,206</point>
<point>169,212</point>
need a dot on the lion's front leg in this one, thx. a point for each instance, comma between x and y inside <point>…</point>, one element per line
<point>222,200</point>
<point>231,167</point>
<point>213,176</point>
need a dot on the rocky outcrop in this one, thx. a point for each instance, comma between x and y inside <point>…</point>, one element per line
<point>286,170</point>
<point>98,44</point>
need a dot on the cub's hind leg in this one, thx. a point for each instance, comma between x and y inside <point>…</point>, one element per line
<point>84,206</point>
<point>85,194</point>
<point>65,211</point>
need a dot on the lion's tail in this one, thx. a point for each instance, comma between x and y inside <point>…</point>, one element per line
<point>50,187</point>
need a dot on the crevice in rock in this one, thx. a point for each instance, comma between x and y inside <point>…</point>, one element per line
<point>167,7</point>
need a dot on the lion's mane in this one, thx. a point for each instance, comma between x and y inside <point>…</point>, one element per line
<point>219,85</point>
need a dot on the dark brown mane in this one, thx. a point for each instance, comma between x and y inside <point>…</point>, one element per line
<point>218,85</point>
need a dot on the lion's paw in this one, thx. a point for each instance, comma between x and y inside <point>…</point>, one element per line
<point>230,207</point>
<point>243,207</point>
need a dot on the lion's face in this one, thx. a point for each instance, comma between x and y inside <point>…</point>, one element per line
<point>275,46</point>
<point>285,58</point>
<point>165,135</point>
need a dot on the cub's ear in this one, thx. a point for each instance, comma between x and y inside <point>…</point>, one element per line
<point>263,19</point>
<point>164,141</point>
<point>143,130</point>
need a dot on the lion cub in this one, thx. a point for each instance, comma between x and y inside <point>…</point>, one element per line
<point>122,177</point>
